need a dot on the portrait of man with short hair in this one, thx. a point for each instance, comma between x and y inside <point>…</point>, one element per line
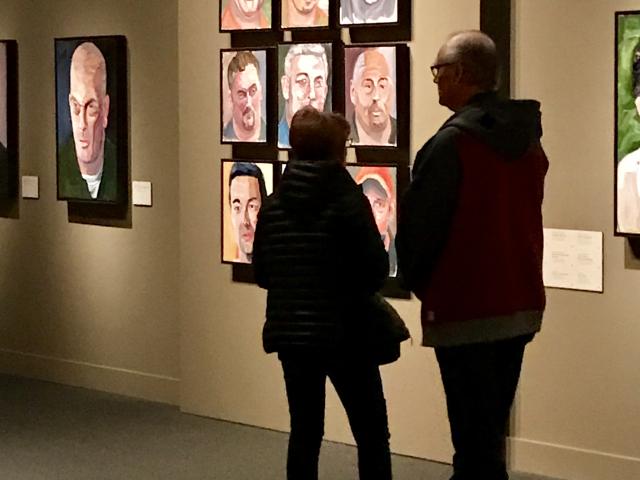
<point>245,186</point>
<point>370,90</point>
<point>87,111</point>
<point>305,79</point>
<point>305,13</point>
<point>245,15</point>
<point>244,96</point>
<point>353,12</point>
<point>378,183</point>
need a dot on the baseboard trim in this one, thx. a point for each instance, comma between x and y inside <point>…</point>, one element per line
<point>147,386</point>
<point>569,463</point>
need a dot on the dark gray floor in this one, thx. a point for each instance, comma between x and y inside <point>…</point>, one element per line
<point>51,432</point>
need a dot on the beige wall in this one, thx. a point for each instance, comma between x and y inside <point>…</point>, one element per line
<point>92,305</point>
<point>579,406</point>
<point>110,308</point>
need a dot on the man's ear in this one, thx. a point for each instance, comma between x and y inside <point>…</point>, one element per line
<point>284,83</point>
<point>637,102</point>
<point>352,92</point>
<point>105,111</point>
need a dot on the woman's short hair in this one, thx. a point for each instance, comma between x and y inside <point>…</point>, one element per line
<point>318,136</point>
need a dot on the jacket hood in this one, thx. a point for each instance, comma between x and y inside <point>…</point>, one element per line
<point>511,127</point>
<point>310,186</point>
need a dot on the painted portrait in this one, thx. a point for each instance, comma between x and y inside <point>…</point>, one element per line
<point>379,184</point>
<point>370,91</point>
<point>305,13</point>
<point>627,149</point>
<point>305,71</point>
<point>244,95</point>
<point>245,186</point>
<point>359,12</point>
<point>91,119</point>
<point>245,15</point>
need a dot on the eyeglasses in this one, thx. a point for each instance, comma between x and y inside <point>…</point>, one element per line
<point>435,69</point>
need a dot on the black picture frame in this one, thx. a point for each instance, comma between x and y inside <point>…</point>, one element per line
<point>626,149</point>
<point>265,59</point>
<point>271,172</point>
<point>9,119</point>
<point>268,9</point>
<point>398,30</point>
<point>115,177</point>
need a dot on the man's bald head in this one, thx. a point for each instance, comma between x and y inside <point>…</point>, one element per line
<point>88,61</point>
<point>476,52</point>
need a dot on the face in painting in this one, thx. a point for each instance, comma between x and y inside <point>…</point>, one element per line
<point>307,84</point>
<point>304,6</point>
<point>244,196</point>
<point>372,93</point>
<point>248,7</point>
<point>246,97</point>
<point>89,117</point>
<point>380,205</point>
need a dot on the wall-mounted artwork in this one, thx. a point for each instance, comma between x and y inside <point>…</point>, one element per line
<point>359,12</point>
<point>8,119</point>
<point>91,119</point>
<point>239,15</point>
<point>379,184</point>
<point>305,13</point>
<point>305,71</point>
<point>627,150</point>
<point>243,96</point>
<point>245,185</point>
<point>370,95</point>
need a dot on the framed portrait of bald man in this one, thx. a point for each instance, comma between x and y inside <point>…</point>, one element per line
<point>91,119</point>
<point>370,95</point>
<point>245,15</point>
<point>243,96</point>
<point>8,119</point>
<point>305,72</point>
<point>304,14</point>
<point>362,12</point>
<point>245,186</point>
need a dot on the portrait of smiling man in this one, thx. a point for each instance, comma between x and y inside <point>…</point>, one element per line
<point>305,81</point>
<point>243,15</point>
<point>245,97</point>
<point>87,160</point>
<point>304,13</point>
<point>371,94</point>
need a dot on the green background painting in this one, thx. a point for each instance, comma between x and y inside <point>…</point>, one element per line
<point>628,121</point>
<point>266,8</point>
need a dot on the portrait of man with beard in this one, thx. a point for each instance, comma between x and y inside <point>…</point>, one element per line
<point>371,94</point>
<point>244,97</point>
<point>368,11</point>
<point>245,15</point>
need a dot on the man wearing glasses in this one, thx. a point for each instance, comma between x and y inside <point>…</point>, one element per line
<point>372,93</point>
<point>305,82</point>
<point>470,247</point>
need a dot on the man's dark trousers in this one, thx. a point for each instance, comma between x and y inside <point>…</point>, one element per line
<point>480,382</point>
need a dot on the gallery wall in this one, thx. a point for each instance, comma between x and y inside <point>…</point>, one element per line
<point>578,410</point>
<point>82,304</point>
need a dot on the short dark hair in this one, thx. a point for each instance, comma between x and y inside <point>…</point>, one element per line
<point>249,169</point>
<point>238,64</point>
<point>318,136</point>
<point>476,51</point>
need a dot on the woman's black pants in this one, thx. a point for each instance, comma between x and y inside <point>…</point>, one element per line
<point>359,387</point>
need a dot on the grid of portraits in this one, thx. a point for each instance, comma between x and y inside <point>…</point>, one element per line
<point>368,81</point>
<point>245,185</point>
<point>91,119</point>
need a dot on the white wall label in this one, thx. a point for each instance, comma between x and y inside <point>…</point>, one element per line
<point>573,259</point>
<point>141,193</point>
<point>30,187</point>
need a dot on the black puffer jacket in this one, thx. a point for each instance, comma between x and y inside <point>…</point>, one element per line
<point>318,252</point>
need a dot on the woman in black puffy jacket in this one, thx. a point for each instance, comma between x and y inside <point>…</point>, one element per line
<point>318,252</point>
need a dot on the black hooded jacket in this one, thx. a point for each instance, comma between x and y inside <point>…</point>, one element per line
<point>318,252</point>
